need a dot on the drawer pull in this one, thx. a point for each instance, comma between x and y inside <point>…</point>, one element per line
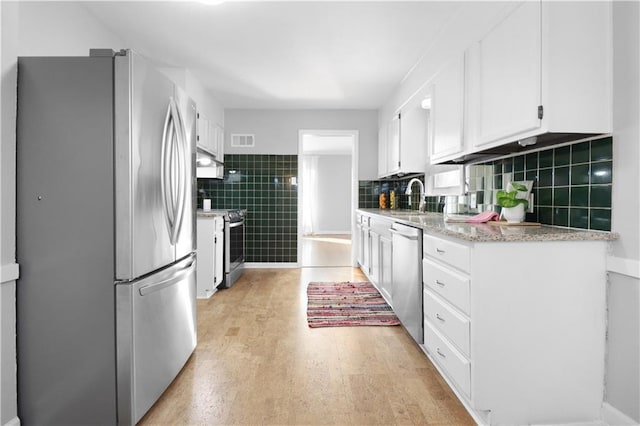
<point>440,318</point>
<point>440,283</point>
<point>440,353</point>
<point>439,251</point>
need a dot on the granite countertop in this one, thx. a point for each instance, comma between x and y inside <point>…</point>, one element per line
<point>434,223</point>
<point>210,213</point>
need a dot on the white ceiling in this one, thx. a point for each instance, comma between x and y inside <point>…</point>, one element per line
<point>292,54</point>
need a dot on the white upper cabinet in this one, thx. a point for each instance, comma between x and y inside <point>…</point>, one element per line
<point>510,75</point>
<point>210,137</point>
<point>546,68</point>
<point>393,146</point>
<point>383,132</point>
<point>404,150</point>
<point>219,142</point>
<point>203,137</point>
<point>447,106</point>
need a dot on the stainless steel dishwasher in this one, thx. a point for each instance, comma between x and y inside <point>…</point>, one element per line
<point>407,278</point>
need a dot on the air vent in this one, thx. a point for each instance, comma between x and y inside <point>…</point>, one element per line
<point>243,140</point>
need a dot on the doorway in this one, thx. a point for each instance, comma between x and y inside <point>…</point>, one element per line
<point>328,192</point>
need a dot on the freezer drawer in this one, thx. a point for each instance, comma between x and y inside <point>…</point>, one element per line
<point>156,334</point>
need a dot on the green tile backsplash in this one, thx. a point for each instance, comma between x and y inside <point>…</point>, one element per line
<point>572,183</point>
<point>266,186</point>
<point>369,193</point>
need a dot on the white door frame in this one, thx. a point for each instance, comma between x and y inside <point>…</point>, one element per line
<point>354,183</point>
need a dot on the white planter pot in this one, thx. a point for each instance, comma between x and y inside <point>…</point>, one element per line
<point>514,214</point>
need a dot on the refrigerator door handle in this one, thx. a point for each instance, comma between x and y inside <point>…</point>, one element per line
<point>151,288</point>
<point>166,172</point>
<point>180,164</point>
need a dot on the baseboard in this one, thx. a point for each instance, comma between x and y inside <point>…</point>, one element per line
<point>474,415</point>
<point>614,417</point>
<point>13,422</point>
<point>328,233</point>
<point>623,266</point>
<point>266,265</point>
<point>9,272</point>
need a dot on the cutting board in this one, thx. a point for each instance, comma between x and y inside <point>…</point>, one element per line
<point>505,223</point>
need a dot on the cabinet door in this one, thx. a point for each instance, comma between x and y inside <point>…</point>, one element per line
<point>212,142</point>
<point>218,257</point>
<point>366,251</point>
<point>382,149</point>
<point>202,138</point>
<point>374,257</point>
<point>385,268</point>
<point>393,146</point>
<point>414,129</point>
<point>510,61</point>
<point>205,271</point>
<point>360,243</point>
<point>219,144</point>
<point>447,110</point>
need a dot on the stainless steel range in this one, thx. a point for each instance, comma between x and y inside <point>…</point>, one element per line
<point>233,244</point>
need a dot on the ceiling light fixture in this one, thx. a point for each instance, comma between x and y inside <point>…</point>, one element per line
<point>204,161</point>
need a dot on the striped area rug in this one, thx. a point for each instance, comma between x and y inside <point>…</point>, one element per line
<point>332,304</point>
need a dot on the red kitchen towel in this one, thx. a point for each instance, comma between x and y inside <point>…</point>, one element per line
<point>484,217</point>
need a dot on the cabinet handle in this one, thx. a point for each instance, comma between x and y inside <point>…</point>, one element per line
<point>440,318</point>
<point>440,353</point>
<point>440,283</point>
<point>439,251</point>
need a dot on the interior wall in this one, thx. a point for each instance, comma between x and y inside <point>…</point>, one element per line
<point>276,131</point>
<point>334,194</point>
<point>623,344</point>
<point>8,267</point>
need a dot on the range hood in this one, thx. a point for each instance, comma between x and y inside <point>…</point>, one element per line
<point>520,146</point>
<point>207,165</point>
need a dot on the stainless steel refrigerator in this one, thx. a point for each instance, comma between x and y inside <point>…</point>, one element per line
<point>105,237</point>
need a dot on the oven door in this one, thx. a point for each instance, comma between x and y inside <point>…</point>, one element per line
<point>234,251</point>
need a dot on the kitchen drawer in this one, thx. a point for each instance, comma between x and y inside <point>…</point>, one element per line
<point>454,364</point>
<point>453,325</point>
<point>452,286</point>
<point>454,254</point>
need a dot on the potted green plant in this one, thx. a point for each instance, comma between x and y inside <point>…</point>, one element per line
<point>513,208</point>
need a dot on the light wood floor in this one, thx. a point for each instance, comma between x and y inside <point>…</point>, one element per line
<point>326,250</point>
<point>257,362</point>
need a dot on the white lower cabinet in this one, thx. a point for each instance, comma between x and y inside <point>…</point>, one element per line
<point>374,255</point>
<point>450,322</point>
<point>385,284</point>
<point>210,243</point>
<point>457,366</point>
<point>518,328</point>
<point>375,252</point>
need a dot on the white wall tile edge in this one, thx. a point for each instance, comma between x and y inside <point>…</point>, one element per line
<point>9,272</point>
<point>623,266</point>
<point>13,422</point>
<point>612,416</point>
<point>259,265</point>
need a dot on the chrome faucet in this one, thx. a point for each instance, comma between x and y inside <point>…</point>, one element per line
<point>422,206</point>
